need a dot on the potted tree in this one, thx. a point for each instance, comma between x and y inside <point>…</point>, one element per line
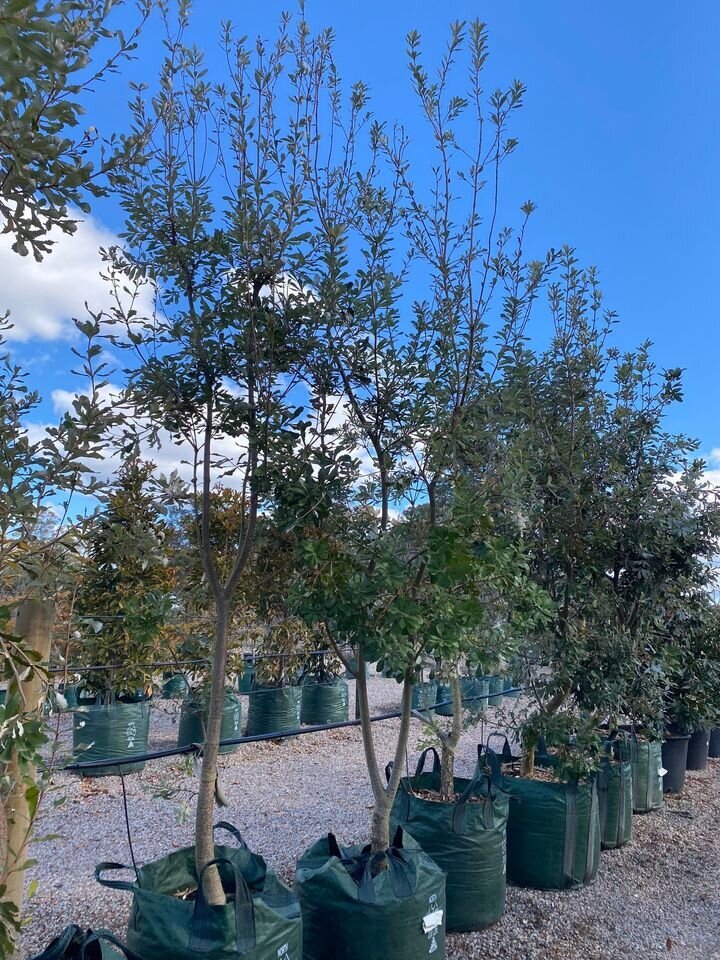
<point>121,607</point>
<point>324,689</point>
<point>275,697</point>
<point>217,369</point>
<point>397,575</point>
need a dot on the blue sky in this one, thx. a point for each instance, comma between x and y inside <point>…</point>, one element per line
<point>619,148</point>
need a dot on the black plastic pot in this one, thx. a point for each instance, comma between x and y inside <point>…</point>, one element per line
<point>674,760</point>
<point>698,747</point>
<point>714,749</point>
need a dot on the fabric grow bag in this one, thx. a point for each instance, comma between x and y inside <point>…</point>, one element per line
<point>273,709</point>
<point>615,799</point>
<point>193,717</point>
<point>647,779</point>
<point>466,839</point>
<point>174,686</point>
<point>553,831</point>
<point>261,920</point>
<point>424,695</point>
<point>69,692</point>
<point>77,944</point>
<point>247,678</point>
<point>324,702</point>
<point>474,695</point>
<point>496,687</point>
<point>444,693</point>
<point>714,746</point>
<point>111,731</point>
<point>349,914</point>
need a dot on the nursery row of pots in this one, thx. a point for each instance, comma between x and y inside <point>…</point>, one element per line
<point>104,731</point>
<point>682,752</point>
<point>446,867</point>
<point>478,693</point>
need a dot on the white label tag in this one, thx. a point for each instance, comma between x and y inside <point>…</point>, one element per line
<point>663,771</point>
<point>432,920</point>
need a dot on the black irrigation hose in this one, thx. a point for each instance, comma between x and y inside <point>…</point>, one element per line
<point>196,748</point>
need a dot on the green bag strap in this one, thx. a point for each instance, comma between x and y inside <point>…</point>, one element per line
<point>57,948</point>
<point>113,884</point>
<point>622,806</point>
<point>224,825</point>
<point>202,924</point>
<point>95,938</point>
<point>571,824</point>
<point>420,766</point>
<point>488,758</point>
<point>459,820</point>
<point>402,876</point>
<point>603,787</point>
<point>506,754</point>
<point>590,861</point>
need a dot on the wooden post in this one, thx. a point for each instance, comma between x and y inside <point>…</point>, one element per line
<point>34,623</point>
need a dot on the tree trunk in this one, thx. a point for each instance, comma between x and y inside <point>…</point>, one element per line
<point>380,826</point>
<point>527,763</point>
<point>449,743</point>
<point>34,623</point>
<point>204,840</point>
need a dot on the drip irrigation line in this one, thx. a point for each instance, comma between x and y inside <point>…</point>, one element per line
<point>196,748</point>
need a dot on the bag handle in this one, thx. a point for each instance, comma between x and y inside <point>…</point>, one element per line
<point>57,948</point>
<point>201,926</point>
<point>506,753</point>
<point>488,757</point>
<point>113,884</point>
<point>420,767</point>
<point>97,936</point>
<point>460,811</point>
<point>224,825</point>
<point>403,880</point>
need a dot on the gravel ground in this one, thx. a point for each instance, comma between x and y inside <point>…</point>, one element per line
<point>657,897</point>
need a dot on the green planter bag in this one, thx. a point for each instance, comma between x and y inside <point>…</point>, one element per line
<point>69,692</point>
<point>511,688</point>
<point>424,695</point>
<point>647,781</point>
<point>174,686</point>
<point>466,839</point>
<point>553,832</point>
<point>76,944</point>
<point>111,731</point>
<point>497,686</point>
<point>614,787</point>
<point>324,702</point>
<point>261,920</point>
<point>193,717</point>
<point>273,710</point>
<point>444,700</point>
<point>247,679</point>
<point>349,914</point>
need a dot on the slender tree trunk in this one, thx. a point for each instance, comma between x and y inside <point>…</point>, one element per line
<point>380,826</point>
<point>34,623</point>
<point>204,841</point>
<point>527,763</point>
<point>449,743</point>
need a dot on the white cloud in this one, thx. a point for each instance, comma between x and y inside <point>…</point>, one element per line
<point>44,297</point>
<point>169,457</point>
<point>714,457</point>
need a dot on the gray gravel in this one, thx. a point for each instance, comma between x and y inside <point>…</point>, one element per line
<point>658,897</point>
